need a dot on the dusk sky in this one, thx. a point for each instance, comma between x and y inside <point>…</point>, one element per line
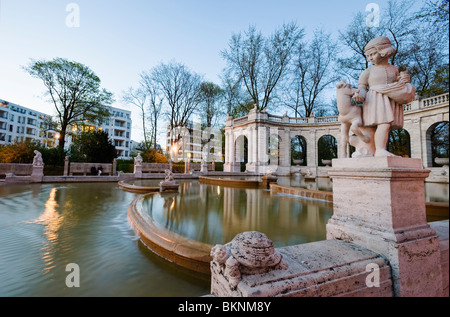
<point>120,39</point>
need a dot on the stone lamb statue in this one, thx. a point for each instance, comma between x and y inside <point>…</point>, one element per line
<point>350,116</point>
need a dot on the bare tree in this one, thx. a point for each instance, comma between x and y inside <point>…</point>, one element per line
<point>138,98</point>
<point>311,74</point>
<point>259,63</point>
<point>155,100</point>
<point>396,23</point>
<point>355,38</point>
<point>436,12</point>
<point>181,90</point>
<point>426,59</point>
<point>236,100</point>
<point>210,97</point>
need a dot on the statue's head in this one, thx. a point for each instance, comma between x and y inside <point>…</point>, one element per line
<point>382,45</point>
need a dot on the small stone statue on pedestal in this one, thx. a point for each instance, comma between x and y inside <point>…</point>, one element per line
<point>37,160</point>
<point>169,182</point>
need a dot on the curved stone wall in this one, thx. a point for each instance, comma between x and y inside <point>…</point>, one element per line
<point>180,250</point>
<point>237,183</point>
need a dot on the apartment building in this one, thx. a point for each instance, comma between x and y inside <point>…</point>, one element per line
<point>118,127</point>
<point>19,123</point>
<point>194,143</point>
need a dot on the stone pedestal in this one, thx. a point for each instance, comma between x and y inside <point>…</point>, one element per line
<point>137,171</point>
<point>379,203</point>
<point>66,166</point>
<point>37,174</point>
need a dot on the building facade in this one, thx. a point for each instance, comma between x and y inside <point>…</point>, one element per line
<point>20,124</point>
<point>269,137</point>
<point>118,127</point>
<point>194,143</point>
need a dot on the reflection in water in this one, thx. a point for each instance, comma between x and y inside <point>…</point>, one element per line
<point>86,224</point>
<point>298,181</point>
<point>215,215</point>
<point>52,221</point>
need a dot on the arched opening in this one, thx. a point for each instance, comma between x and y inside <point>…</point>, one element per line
<point>298,151</point>
<point>327,149</point>
<point>437,142</point>
<point>399,143</point>
<point>241,151</point>
<point>273,149</point>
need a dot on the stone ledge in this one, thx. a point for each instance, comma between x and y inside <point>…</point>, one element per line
<point>377,162</point>
<point>319,269</point>
<point>183,251</point>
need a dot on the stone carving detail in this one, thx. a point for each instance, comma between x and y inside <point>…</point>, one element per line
<point>169,182</point>
<point>37,160</point>
<point>249,253</point>
<point>382,92</point>
<point>138,160</point>
<point>350,116</point>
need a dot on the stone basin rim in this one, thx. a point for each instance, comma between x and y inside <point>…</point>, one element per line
<point>188,253</point>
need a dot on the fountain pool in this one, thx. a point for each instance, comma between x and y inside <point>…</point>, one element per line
<point>44,227</point>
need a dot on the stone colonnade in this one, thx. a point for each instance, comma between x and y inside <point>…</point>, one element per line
<point>260,128</point>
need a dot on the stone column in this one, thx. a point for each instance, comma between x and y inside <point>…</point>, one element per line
<point>114,168</point>
<point>379,203</point>
<point>66,166</point>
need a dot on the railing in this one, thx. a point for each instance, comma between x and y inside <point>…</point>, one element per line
<point>327,119</point>
<point>298,120</point>
<point>436,100</point>
<point>275,118</point>
<point>414,105</point>
<point>427,102</point>
<point>240,120</point>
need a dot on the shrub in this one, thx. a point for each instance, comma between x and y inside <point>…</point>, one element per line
<point>153,156</point>
<point>125,166</point>
<point>92,147</point>
<point>19,152</point>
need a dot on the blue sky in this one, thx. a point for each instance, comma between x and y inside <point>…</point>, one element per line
<point>120,39</point>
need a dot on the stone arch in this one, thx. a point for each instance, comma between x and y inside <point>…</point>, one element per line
<point>299,149</point>
<point>241,150</point>
<point>327,148</point>
<point>399,142</point>
<point>274,148</point>
<point>437,142</point>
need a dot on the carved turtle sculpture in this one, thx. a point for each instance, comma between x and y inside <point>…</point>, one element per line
<point>249,253</point>
<point>255,253</point>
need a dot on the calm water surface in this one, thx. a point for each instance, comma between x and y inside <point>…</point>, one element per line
<point>43,228</point>
<point>216,214</point>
